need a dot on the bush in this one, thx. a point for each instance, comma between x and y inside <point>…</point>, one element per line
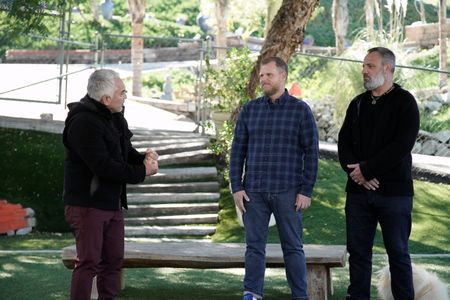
<point>225,85</point>
<point>32,175</point>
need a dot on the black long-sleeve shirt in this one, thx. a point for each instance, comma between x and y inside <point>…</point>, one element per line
<point>380,137</point>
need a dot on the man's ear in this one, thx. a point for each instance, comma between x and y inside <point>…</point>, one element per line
<point>105,100</point>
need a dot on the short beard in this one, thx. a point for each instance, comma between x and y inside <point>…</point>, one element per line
<point>374,83</point>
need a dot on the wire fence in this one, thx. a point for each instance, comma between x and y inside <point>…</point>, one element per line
<point>173,70</point>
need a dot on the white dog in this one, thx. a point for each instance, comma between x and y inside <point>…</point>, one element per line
<point>427,286</point>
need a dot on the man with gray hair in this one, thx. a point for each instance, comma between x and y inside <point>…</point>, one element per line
<point>99,162</point>
<point>375,143</point>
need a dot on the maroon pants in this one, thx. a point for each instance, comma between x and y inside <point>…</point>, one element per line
<point>99,236</point>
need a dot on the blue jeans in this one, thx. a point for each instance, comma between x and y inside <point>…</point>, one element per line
<point>289,224</point>
<point>363,212</point>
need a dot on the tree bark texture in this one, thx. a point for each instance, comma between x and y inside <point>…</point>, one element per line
<point>340,23</point>
<point>222,20</point>
<point>285,35</point>
<point>137,12</point>
<point>443,78</point>
<point>369,8</point>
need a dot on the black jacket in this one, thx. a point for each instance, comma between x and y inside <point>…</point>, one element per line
<point>99,160</point>
<point>380,137</point>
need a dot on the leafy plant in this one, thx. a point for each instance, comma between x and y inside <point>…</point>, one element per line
<point>225,85</point>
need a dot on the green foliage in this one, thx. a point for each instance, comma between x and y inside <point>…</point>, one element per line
<point>321,28</point>
<point>436,122</point>
<point>170,10</point>
<point>225,89</point>
<point>32,174</point>
<point>183,81</point>
<point>153,81</point>
<point>225,85</point>
<point>222,148</point>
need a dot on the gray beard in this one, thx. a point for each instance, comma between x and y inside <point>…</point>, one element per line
<point>374,83</point>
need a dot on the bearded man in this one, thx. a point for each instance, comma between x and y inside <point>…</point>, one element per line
<point>375,143</point>
<point>276,140</point>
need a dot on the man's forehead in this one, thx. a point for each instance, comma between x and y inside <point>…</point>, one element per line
<point>373,57</point>
<point>268,68</point>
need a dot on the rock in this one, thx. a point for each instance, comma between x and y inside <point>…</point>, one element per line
<point>429,147</point>
<point>417,148</point>
<point>442,136</point>
<point>432,105</point>
<point>442,150</point>
<point>47,116</point>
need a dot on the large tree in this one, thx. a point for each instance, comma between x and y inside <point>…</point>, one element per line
<point>221,8</point>
<point>443,78</point>
<point>137,12</point>
<point>340,23</point>
<point>285,35</point>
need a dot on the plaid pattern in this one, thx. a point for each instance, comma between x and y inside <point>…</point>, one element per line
<point>278,144</point>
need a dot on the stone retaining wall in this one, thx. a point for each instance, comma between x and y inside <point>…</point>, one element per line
<point>436,143</point>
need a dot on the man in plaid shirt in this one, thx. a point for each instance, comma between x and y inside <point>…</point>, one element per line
<point>276,140</point>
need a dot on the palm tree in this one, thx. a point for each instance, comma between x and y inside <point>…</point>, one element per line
<point>340,23</point>
<point>137,12</point>
<point>285,35</point>
<point>443,78</point>
<point>222,20</point>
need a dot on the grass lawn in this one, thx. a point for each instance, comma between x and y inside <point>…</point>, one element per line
<point>324,221</point>
<point>43,276</point>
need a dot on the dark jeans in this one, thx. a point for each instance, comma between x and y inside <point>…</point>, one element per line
<point>99,236</point>
<point>363,212</point>
<point>289,225</point>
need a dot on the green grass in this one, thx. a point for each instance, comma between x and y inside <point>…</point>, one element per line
<point>324,221</point>
<point>32,174</point>
<point>438,122</point>
<point>47,278</point>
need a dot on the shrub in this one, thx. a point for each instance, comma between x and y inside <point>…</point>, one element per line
<point>32,174</point>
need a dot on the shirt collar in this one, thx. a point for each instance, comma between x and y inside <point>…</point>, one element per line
<point>280,101</point>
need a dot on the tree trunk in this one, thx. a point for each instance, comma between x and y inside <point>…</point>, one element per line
<point>137,12</point>
<point>368,8</point>
<point>340,23</point>
<point>443,77</point>
<point>94,8</point>
<point>222,20</point>
<point>272,8</point>
<point>285,35</point>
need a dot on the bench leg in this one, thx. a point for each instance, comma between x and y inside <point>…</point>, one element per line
<point>94,291</point>
<point>318,282</point>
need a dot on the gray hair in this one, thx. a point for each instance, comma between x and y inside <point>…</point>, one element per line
<point>102,83</point>
<point>387,55</point>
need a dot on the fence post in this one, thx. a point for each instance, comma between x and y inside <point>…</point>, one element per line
<point>62,33</point>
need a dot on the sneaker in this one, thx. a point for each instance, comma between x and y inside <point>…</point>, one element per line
<point>249,297</point>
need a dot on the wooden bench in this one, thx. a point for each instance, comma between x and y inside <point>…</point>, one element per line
<point>205,255</point>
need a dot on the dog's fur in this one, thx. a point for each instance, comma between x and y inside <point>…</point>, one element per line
<point>427,286</point>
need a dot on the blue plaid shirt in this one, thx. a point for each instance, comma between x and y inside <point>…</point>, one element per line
<point>278,142</point>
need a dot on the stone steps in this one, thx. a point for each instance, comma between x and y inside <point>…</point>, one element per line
<point>174,187</point>
<point>186,174</point>
<point>173,220</point>
<point>197,157</point>
<point>149,210</point>
<point>184,230</point>
<point>182,198</point>
<point>166,198</point>
<point>175,147</point>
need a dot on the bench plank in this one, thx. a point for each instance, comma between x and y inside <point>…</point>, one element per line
<point>205,255</point>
